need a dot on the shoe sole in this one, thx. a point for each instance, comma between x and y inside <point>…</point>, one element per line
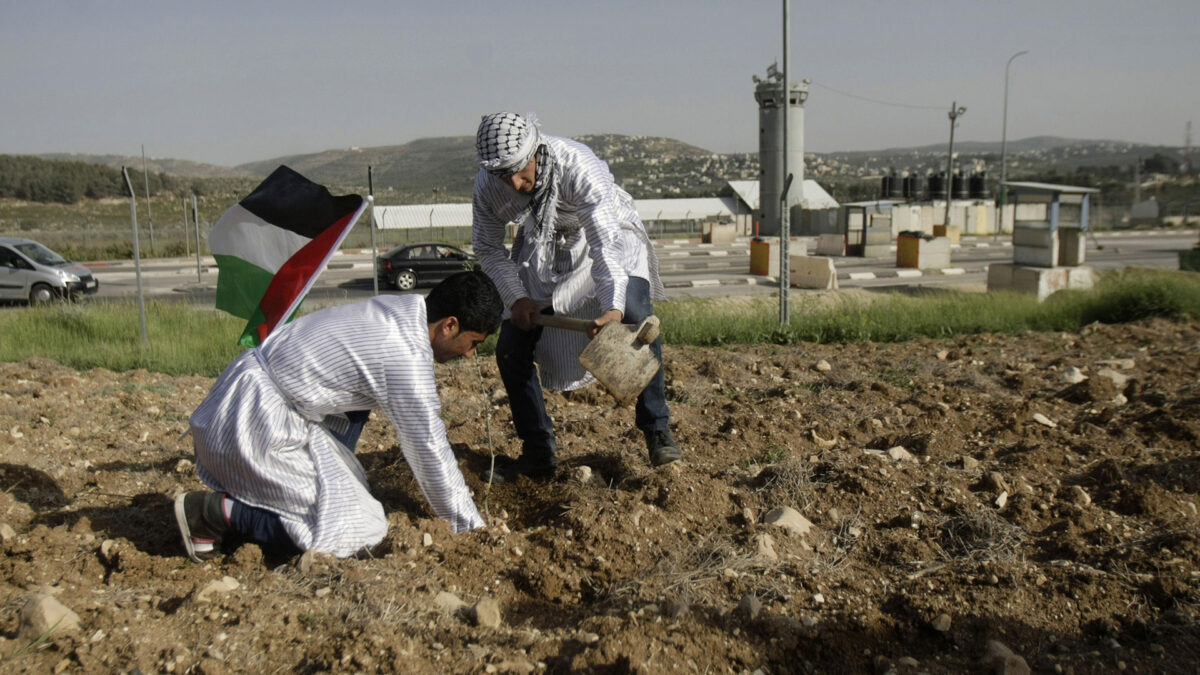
<point>665,458</point>
<point>181,521</point>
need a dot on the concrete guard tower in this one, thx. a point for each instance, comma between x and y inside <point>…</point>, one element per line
<point>769,94</point>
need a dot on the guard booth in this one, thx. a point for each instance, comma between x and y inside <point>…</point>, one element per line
<point>1050,225</point>
<point>867,228</point>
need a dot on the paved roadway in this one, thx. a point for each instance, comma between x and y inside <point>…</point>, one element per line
<point>688,269</point>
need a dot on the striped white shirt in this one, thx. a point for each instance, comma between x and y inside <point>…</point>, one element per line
<point>614,247</point>
<point>263,433</point>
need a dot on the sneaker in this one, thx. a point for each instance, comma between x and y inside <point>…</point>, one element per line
<point>662,446</point>
<point>201,519</point>
<point>534,466</point>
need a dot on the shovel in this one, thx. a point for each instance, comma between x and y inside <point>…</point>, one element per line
<point>619,356</point>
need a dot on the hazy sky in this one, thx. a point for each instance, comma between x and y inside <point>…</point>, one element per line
<point>232,82</point>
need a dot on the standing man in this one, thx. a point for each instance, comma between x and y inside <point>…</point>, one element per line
<point>579,250</point>
<point>275,437</point>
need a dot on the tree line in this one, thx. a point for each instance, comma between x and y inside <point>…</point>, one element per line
<point>67,182</point>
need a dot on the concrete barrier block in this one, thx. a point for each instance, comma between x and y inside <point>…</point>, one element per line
<point>1071,246</point>
<point>831,244</point>
<point>926,254</point>
<point>1039,281</point>
<point>764,254</point>
<point>876,235</point>
<point>979,218</point>
<point>951,232</point>
<point>1081,278</point>
<point>763,260</point>
<point>812,272</point>
<point>1036,246</point>
<point>718,233</point>
<point>1034,237</point>
<point>999,276</point>
<point>1035,256</point>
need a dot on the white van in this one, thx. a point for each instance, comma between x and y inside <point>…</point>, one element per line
<point>30,271</point>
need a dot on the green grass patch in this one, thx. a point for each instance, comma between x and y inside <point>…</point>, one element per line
<point>1119,297</point>
<point>181,340</point>
<point>188,340</point>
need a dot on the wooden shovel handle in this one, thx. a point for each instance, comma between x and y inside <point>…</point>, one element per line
<point>646,333</point>
<point>564,322</point>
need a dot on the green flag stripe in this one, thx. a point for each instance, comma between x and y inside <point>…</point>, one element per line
<point>240,286</point>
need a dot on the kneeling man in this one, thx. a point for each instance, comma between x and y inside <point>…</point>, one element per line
<point>275,437</point>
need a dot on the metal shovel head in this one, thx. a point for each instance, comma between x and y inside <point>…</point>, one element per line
<point>620,358</point>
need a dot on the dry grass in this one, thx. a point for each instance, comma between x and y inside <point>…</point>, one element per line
<point>980,536</point>
<point>787,482</point>
<point>693,575</point>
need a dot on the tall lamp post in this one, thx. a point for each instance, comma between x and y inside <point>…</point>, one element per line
<point>955,111</point>
<point>1004,145</point>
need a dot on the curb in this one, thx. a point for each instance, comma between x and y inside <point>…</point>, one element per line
<point>699,283</point>
<point>909,273</point>
<point>856,276</point>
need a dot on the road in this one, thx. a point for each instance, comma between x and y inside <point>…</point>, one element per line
<point>688,269</point>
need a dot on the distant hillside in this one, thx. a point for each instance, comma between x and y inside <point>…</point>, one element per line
<point>176,167</point>
<point>614,145</point>
<point>412,171</point>
<point>1040,155</point>
<point>1032,144</point>
<point>443,169</point>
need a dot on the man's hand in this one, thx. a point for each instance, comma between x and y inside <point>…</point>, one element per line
<point>598,323</point>
<point>521,311</point>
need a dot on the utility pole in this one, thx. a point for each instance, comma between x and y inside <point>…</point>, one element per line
<point>955,111</point>
<point>784,221</point>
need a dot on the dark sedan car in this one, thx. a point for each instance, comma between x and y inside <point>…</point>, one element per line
<point>405,267</point>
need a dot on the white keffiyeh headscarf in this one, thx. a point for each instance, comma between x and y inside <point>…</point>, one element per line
<point>504,144</point>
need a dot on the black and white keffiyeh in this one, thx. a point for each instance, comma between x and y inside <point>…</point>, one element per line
<point>504,144</point>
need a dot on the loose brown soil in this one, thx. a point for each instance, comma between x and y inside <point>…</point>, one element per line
<point>1059,519</point>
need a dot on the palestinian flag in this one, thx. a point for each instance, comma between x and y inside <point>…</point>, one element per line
<point>271,246</point>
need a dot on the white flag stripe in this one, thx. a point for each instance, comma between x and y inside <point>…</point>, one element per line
<point>242,234</point>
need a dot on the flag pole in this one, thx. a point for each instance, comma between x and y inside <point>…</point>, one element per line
<point>374,250</point>
<point>137,258</point>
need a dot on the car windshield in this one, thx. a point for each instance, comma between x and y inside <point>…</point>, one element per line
<point>40,254</point>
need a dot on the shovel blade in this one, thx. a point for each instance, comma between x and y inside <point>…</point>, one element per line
<point>621,362</point>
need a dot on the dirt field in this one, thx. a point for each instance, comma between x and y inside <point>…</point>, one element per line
<point>1056,517</point>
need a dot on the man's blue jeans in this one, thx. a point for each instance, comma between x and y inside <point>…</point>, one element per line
<point>263,527</point>
<point>514,356</point>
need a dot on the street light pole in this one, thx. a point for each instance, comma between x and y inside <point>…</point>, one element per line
<point>1004,145</point>
<point>955,111</point>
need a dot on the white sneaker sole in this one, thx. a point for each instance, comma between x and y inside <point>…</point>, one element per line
<point>184,530</point>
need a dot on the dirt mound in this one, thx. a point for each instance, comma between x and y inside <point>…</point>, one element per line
<point>944,494</point>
